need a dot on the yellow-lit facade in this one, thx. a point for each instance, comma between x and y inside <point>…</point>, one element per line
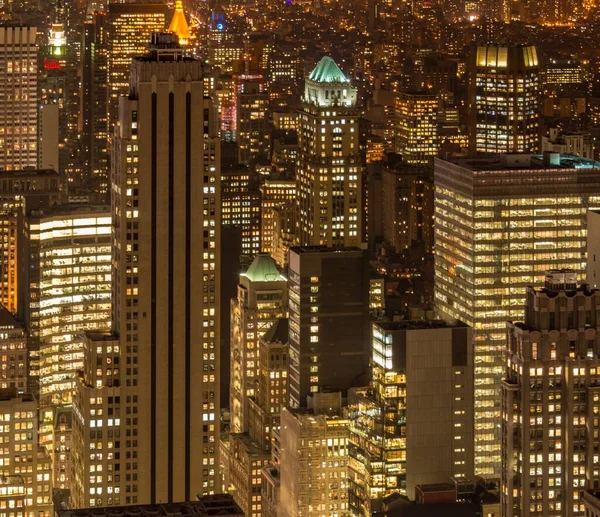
<point>130,27</point>
<point>13,353</point>
<point>261,300</point>
<point>314,448</point>
<point>97,441</point>
<point>274,193</point>
<point>498,228</point>
<point>503,99</point>
<point>18,111</point>
<point>74,292</point>
<point>551,401</point>
<point>21,456</point>
<point>329,175</point>
<point>416,126</point>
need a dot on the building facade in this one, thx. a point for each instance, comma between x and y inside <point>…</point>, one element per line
<point>70,283</point>
<point>18,109</point>
<point>166,210</point>
<point>262,300</point>
<point>314,464</point>
<point>328,177</point>
<point>503,99</point>
<point>130,26</point>
<point>416,126</point>
<point>499,223</point>
<point>22,457</point>
<point>328,324</point>
<point>414,424</point>
<point>551,400</point>
<point>13,353</point>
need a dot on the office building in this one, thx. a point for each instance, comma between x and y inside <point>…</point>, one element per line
<point>13,353</point>
<point>22,456</point>
<point>416,126</point>
<point>130,26</point>
<point>94,104</point>
<point>246,460</point>
<point>20,191</point>
<point>328,325</point>
<point>414,425</point>
<point>314,449</point>
<point>19,111</point>
<point>328,177</point>
<point>166,212</point>
<point>98,448</point>
<point>500,222</point>
<point>274,193</point>
<point>240,201</point>
<point>252,117</point>
<point>551,400</point>
<point>69,277</point>
<point>262,300</point>
<point>503,99</point>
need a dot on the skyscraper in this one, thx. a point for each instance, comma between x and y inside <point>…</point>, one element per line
<point>500,222</point>
<point>503,99</point>
<point>261,301</point>
<point>94,104</point>
<point>551,400</point>
<point>69,254</point>
<point>19,110</point>
<point>166,207</point>
<point>130,26</point>
<point>416,126</point>
<point>328,324</point>
<point>329,179</point>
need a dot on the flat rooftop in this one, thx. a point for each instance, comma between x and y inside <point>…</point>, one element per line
<point>419,324</point>
<point>207,506</point>
<point>27,173</point>
<point>526,162</point>
<point>324,249</point>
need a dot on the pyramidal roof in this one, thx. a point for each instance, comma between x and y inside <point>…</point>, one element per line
<point>179,24</point>
<point>263,269</point>
<point>327,71</point>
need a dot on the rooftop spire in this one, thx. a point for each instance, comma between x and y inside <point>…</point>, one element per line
<point>179,24</point>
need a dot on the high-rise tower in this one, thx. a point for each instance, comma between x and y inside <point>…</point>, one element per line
<point>166,207</point>
<point>503,99</point>
<point>500,222</point>
<point>18,106</point>
<point>130,26</point>
<point>329,180</point>
<point>551,400</point>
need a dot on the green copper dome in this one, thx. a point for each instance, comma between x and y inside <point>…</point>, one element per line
<point>263,269</point>
<point>327,72</point>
